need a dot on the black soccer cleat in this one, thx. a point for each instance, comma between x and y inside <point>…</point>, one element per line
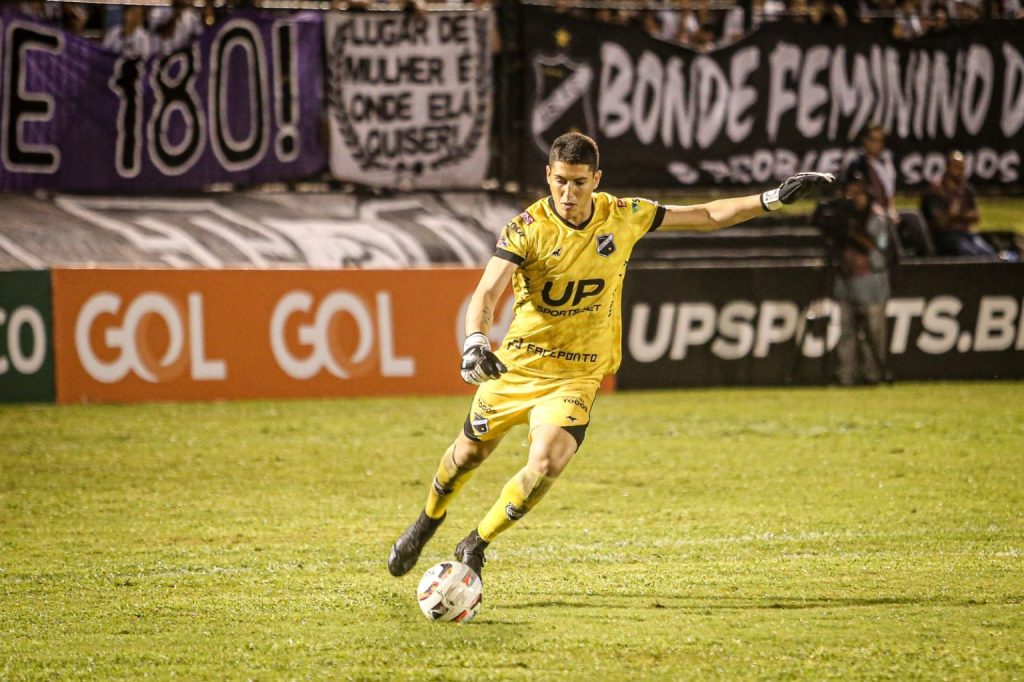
<point>471,552</point>
<point>406,550</point>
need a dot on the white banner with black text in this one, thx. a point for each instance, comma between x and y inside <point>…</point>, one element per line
<point>409,97</point>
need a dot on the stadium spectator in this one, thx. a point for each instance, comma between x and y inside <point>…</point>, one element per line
<point>967,10</point>
<point>952,213</point>
<point>43,11</point>
<point>1006,9</point>
<point>547,371</point>
<point>73,17</point>
<point>689,24</point>
<point>175,27</point>
<point>797,10</point>
<point>665,23</point>
<point>762,11</point>
<point>704,39</point>
<point>351,5</point>
<point>652,24</point>
<point>907,23</point>
<point>733,25</point>
<point>627,16</point>
<point>826,12</point>
<point>928,6</point>
<point>862,252</point>
<point>130,38</point>
<point>874,164</point>
<point>414,7</point>
<point>939,20</point>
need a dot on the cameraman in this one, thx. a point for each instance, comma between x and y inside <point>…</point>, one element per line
<point>862,250</point>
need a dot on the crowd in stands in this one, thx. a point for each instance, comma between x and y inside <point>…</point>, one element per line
<point>948,216</point>
<point>708,24</point>
<point>699,24</point>
<point>132,30</point>
<point>148,30</point>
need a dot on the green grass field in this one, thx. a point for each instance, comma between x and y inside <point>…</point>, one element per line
<point>789,533</point>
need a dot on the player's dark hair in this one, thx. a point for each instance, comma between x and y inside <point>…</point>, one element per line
<point>575,149</point>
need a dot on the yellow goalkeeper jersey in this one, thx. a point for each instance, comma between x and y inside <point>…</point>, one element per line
<point>568,287</point>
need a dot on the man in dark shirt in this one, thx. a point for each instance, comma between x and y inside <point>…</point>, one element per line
<point>862,247</point>
<point>876,166</point>
<point>952,213</point>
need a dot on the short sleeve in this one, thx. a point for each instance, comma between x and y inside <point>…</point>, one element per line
<point>645,215</point>
<point>512,244</point>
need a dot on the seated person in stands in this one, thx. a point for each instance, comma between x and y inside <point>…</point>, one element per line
<point>876,167</point>
<point>952,213</point>
<point>175,27</point>
<point>129,38</point>
<point>862,250</point>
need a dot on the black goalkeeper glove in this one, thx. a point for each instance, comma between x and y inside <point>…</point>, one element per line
<point>795,187</point>
<point>479,363</point>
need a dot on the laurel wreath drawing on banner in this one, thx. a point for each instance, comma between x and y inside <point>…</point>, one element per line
<point>455,153</point>
<point>335,96</point>
<point>483,90</point>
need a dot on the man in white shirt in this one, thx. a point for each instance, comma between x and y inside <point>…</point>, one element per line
<point>175,27</point>
<point>130,38</point>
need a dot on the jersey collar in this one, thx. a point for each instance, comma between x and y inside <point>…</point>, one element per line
<point>593,212</point>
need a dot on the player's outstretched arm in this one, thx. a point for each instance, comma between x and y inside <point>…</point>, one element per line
<point>721,213</point>
<point>479,363</point>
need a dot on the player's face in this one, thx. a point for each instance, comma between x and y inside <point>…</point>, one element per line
<point>571,186</point>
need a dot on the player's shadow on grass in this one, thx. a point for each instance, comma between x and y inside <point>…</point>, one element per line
<point>704,604</point>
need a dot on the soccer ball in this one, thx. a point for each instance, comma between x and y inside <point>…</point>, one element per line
<point>450,591</point>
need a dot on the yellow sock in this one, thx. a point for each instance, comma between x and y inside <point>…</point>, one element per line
<point>521,494</point>
<point>447,482</point>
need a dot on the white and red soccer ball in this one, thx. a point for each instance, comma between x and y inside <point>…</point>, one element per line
<point>450,591</point>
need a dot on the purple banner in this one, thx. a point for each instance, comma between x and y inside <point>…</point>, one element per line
<point>241,105</point>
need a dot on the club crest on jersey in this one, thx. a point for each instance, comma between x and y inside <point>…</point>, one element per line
<point>621,203</point>
<point>526,218</point>
<point>605,244</point>
<point>479,424</point>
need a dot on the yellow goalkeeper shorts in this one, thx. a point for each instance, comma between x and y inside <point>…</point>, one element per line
<point>502,403</point>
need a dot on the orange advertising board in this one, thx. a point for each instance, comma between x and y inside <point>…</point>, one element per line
<point>143,335</point>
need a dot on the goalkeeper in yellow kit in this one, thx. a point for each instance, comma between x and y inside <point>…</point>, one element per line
<point>566,256</point>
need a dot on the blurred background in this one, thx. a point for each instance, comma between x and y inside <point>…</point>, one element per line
<point>207,200</point>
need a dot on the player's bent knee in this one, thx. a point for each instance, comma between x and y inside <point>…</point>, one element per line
<point>551,449</point>
<point>578,433</point>
<point>472,451</point>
